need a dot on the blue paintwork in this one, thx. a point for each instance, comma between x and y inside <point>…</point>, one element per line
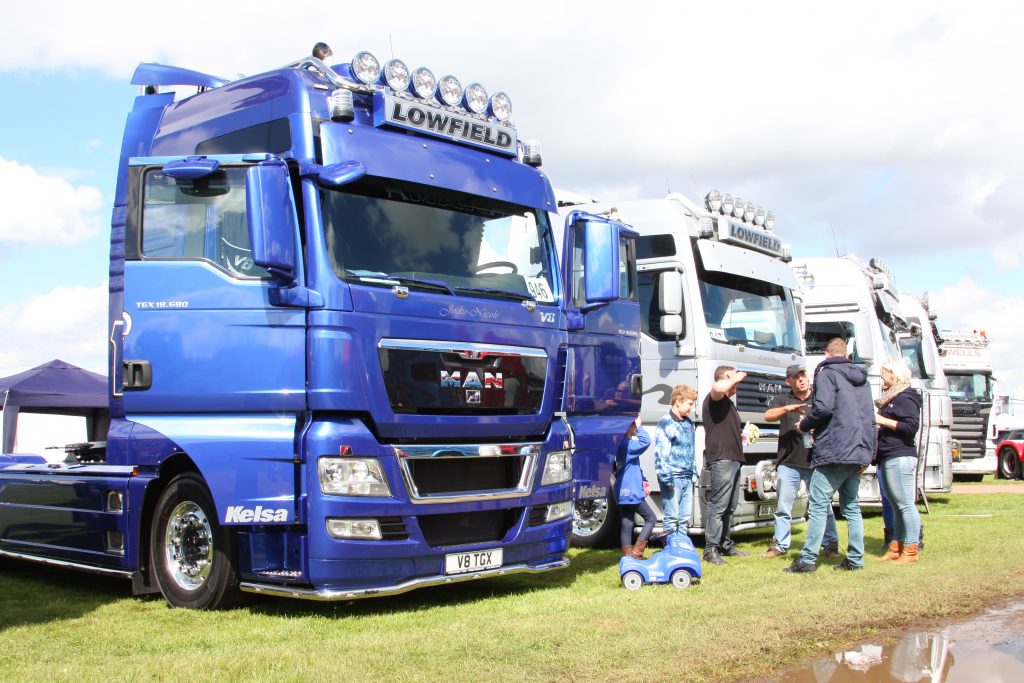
<point>254,379</point>
<point>679,554</point>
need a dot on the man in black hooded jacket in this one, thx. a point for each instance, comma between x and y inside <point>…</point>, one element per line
<point>842,418</point>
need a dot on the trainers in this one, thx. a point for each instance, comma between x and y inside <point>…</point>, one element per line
<point>832,550</point>
<point>773,551</point>
<point>847,566</point>
<point>799,567</point>
<point>713,556</point>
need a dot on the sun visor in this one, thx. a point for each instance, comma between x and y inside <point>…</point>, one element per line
<point>729,259</point>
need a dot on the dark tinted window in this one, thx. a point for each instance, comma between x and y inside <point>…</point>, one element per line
<point>650,315</point>
<point>655,246</point>
<point>272,136</point>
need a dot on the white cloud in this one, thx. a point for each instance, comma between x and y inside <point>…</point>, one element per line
<point>40,209</point>
<point>966,305</point>
<point>67,323</point>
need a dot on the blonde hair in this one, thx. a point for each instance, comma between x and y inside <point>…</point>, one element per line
<point>836,347</point>
<point>897,365</point>
<point>683,392</point>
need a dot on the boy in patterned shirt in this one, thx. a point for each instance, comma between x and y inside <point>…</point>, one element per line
<point>673,460</point>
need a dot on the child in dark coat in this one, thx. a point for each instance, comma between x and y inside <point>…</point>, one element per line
<point>631,490</point>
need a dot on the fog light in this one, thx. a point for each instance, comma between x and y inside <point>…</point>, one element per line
<point>559,511</point>
<point>501,106</point>
<point>449,90</point>
<point>558,468</point>
<point>727,204</point>
<point>423,83</point>
<point>769,220</point>
<point>365,67</point>
<point>354,529</point>
<point>475,98</point>
<point>737,209</point>
<point>396,75</point>
<point>713,201</point>
<point>341,105</point>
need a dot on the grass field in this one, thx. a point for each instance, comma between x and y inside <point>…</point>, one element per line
<point>743,621</point>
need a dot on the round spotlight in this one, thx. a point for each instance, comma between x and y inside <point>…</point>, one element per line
<point>501,106</point>
<point>748,212</point>
<point>449,90</point>
<point>759,216</point>
<point>727,204</point>
<point>737,209</point>
<point>365,67</point>
<point>396,75</point>
<point>713,201</point>
<point>475,98</point>
<point>423,83</point>
<point>769,220</point>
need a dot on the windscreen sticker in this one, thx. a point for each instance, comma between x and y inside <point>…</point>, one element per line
<point>538,287</point>
<point>717,334</point>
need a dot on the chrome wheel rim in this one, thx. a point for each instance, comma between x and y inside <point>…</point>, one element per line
<point>188,546</point>
<point>589,515</point>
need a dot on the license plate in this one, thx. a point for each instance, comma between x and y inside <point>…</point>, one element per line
<point>460,563</point>
<point>765,510</point>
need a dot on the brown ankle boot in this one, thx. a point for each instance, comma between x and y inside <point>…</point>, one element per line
<point>627,550</point>
<point>893,552</point>
<point>909,554</point>
<point>638,549</point>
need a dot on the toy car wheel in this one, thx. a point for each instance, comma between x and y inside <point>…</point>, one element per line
<point>681,578</point>
<point>632,580</point>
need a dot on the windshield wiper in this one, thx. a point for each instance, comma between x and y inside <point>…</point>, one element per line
<point>435,285</point>
<point>787,349</point>
<point>517,296</point>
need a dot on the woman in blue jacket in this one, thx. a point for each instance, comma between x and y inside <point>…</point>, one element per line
<point>898,419</point>
<point>631,490</point>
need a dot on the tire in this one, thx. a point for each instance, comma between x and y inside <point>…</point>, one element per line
<point>632,580</point>
<point>1009,464</point>
<point>192,556</point>
<point>681,578</point>
<point>595,521</point>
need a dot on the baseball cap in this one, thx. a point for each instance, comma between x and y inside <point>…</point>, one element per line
<point>794,370</point>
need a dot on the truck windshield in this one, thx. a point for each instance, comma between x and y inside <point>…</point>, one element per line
<point>383,232</point>
<point>973,386</point>
<point>742,310</point>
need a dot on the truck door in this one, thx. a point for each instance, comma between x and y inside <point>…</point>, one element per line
<point>200,334</point>
<point>603,382</point>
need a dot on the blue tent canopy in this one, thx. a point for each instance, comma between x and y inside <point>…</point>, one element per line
<point>54,388</point>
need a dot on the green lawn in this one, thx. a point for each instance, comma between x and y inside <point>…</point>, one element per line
<point>742,621</point>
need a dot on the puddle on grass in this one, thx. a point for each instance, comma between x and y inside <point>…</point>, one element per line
<point>988,648</point>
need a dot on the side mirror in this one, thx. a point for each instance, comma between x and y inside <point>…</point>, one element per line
<point>670,301</point>
<point>272,221</point>
<point>601,261</point>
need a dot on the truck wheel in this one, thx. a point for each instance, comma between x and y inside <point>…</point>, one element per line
<point>191,555</point>
<point>681,578</point>
<point>594,521</point>
<point>632,580</point>
<point>1009,465</point>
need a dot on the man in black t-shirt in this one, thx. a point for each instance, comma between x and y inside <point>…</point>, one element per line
<point>793,463</point>
<point>723,457</point>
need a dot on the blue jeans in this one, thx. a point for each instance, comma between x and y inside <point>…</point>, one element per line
<point>900,487</point>
<point>789,479</point>
<point>825,481</point>
<point>725,494</point>
<point>887,514</point>
<point>677,502</point>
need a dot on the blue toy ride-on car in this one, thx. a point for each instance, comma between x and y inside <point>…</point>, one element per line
<point>678,563</point>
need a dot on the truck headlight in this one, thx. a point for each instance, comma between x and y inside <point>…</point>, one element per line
<point>559,511</point>
<point>365,67</point>
<point>352,477</point>
<point>354,529</point>
<point>558,468</point>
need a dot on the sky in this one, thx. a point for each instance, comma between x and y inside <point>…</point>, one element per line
<point>889,130</point>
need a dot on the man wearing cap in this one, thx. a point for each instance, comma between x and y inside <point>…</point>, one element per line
<point>793,463</point>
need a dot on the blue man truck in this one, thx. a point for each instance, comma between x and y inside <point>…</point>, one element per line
<point>344,358</point>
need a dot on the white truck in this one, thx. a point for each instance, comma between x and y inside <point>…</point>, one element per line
<point>921,351</point>
<point>847,298</point>
<point>715,289</point>
<point>967,362</point>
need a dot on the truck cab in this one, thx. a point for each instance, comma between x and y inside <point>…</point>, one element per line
<point>967,362</point>
<point>339,342</point>
<point>715,289</point>
<point>858,302</point>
